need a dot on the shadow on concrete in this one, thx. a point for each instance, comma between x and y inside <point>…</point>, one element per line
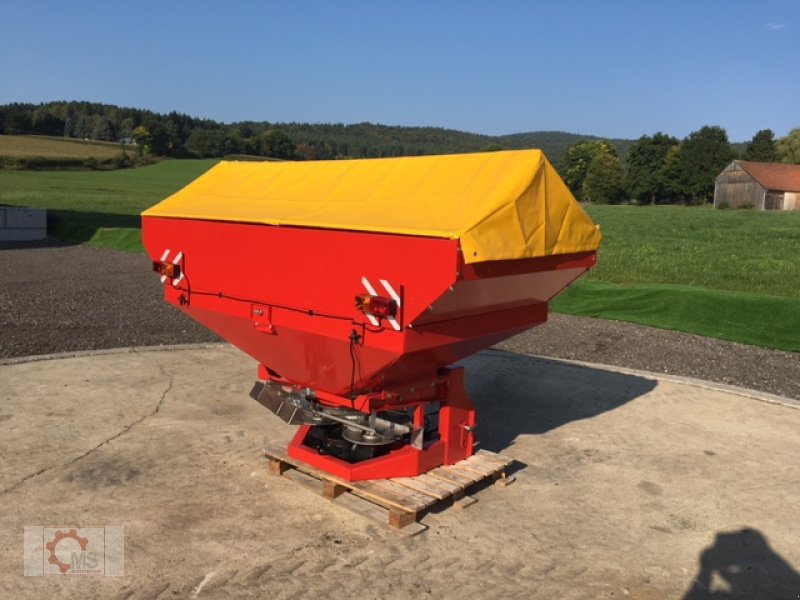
<point>741,564</point>
<point>516,394</point>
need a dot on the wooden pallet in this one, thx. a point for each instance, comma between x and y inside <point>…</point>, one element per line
<point>401,501</point>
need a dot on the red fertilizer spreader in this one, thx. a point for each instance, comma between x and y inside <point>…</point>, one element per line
<point>356,284</point>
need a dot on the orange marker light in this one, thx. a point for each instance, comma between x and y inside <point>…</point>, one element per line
<point>164,268</point>
<point>377,306</point>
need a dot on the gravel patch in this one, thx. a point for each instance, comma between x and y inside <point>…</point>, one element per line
<point>65,298</point>
<point>662,351</point>
<point>57,298</point>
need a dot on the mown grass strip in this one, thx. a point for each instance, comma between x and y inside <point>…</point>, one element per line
<point>124,239</point>
<point>743,250</point>
<point>760,320</point>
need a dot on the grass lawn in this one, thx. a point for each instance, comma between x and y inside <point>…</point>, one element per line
<point>742,250</point>
<point>100,208</point>
<point>732,275</point>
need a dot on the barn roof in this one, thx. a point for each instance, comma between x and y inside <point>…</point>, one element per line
<point>773,176</point>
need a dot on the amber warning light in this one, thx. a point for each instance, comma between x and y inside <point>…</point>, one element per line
<point>377,306</point>
<point>167,269</point>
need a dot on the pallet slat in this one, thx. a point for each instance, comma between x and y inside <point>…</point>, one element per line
<point>374,492</point>
<point>373,512</point>
<point>461,471</point>
<point>496,469</point>
<point>451,476</point>
<point>492,456</point>
<point>397,501</point>
<point>415,483</point>
<point>481,467</point>
<point>447,485</point>
<point>425,499</point>
<point>307,481</point>
<point>488,461</point>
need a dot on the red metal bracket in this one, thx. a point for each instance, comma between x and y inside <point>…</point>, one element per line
<point>262,318</point>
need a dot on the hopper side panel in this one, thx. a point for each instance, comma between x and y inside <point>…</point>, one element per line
<point>449,341</point>
<point>304,282</point>
<point>319,359</point>
<point>307,269</point>
<point>501,285</point>
<point>487,295</point>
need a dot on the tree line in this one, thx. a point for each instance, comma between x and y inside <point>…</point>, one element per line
<point>660,169</point>
<point>179,135</point>
<point>654,169</point>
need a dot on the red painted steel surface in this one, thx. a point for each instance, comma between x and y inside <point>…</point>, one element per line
<point>286,296</point>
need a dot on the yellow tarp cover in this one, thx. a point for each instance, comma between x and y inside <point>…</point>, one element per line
<point>499,205</point>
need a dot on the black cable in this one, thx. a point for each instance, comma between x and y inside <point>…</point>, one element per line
<point>309,312</point>
<point>354,339</point>
<point>305,311</point>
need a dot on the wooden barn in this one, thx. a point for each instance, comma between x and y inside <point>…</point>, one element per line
<point>765,186</point>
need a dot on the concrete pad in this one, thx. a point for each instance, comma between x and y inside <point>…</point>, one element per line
<point>627,487</point>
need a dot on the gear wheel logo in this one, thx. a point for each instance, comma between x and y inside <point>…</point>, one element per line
<point>59,537</point>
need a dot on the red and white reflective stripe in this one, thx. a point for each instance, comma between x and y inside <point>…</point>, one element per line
<point>180,276</point>
<point>389,290</point>
<point>396,297</point>
<point>163,259</point>
<point>371,291</point>
<point>175,261</point>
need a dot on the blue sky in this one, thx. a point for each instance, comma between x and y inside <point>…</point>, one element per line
<point>607,68</point>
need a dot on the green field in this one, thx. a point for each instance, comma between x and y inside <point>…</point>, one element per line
<point>44,152</point>
<point>100,208</point>
<point>732,275</point>
<point>741,250</point>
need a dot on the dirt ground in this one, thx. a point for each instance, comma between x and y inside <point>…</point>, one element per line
<point>64,298</point>
<point>627,487</point>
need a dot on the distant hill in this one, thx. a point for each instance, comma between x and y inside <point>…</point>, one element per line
<point>181,135</point>
<point>369,140</point>
<point>555,143</point>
